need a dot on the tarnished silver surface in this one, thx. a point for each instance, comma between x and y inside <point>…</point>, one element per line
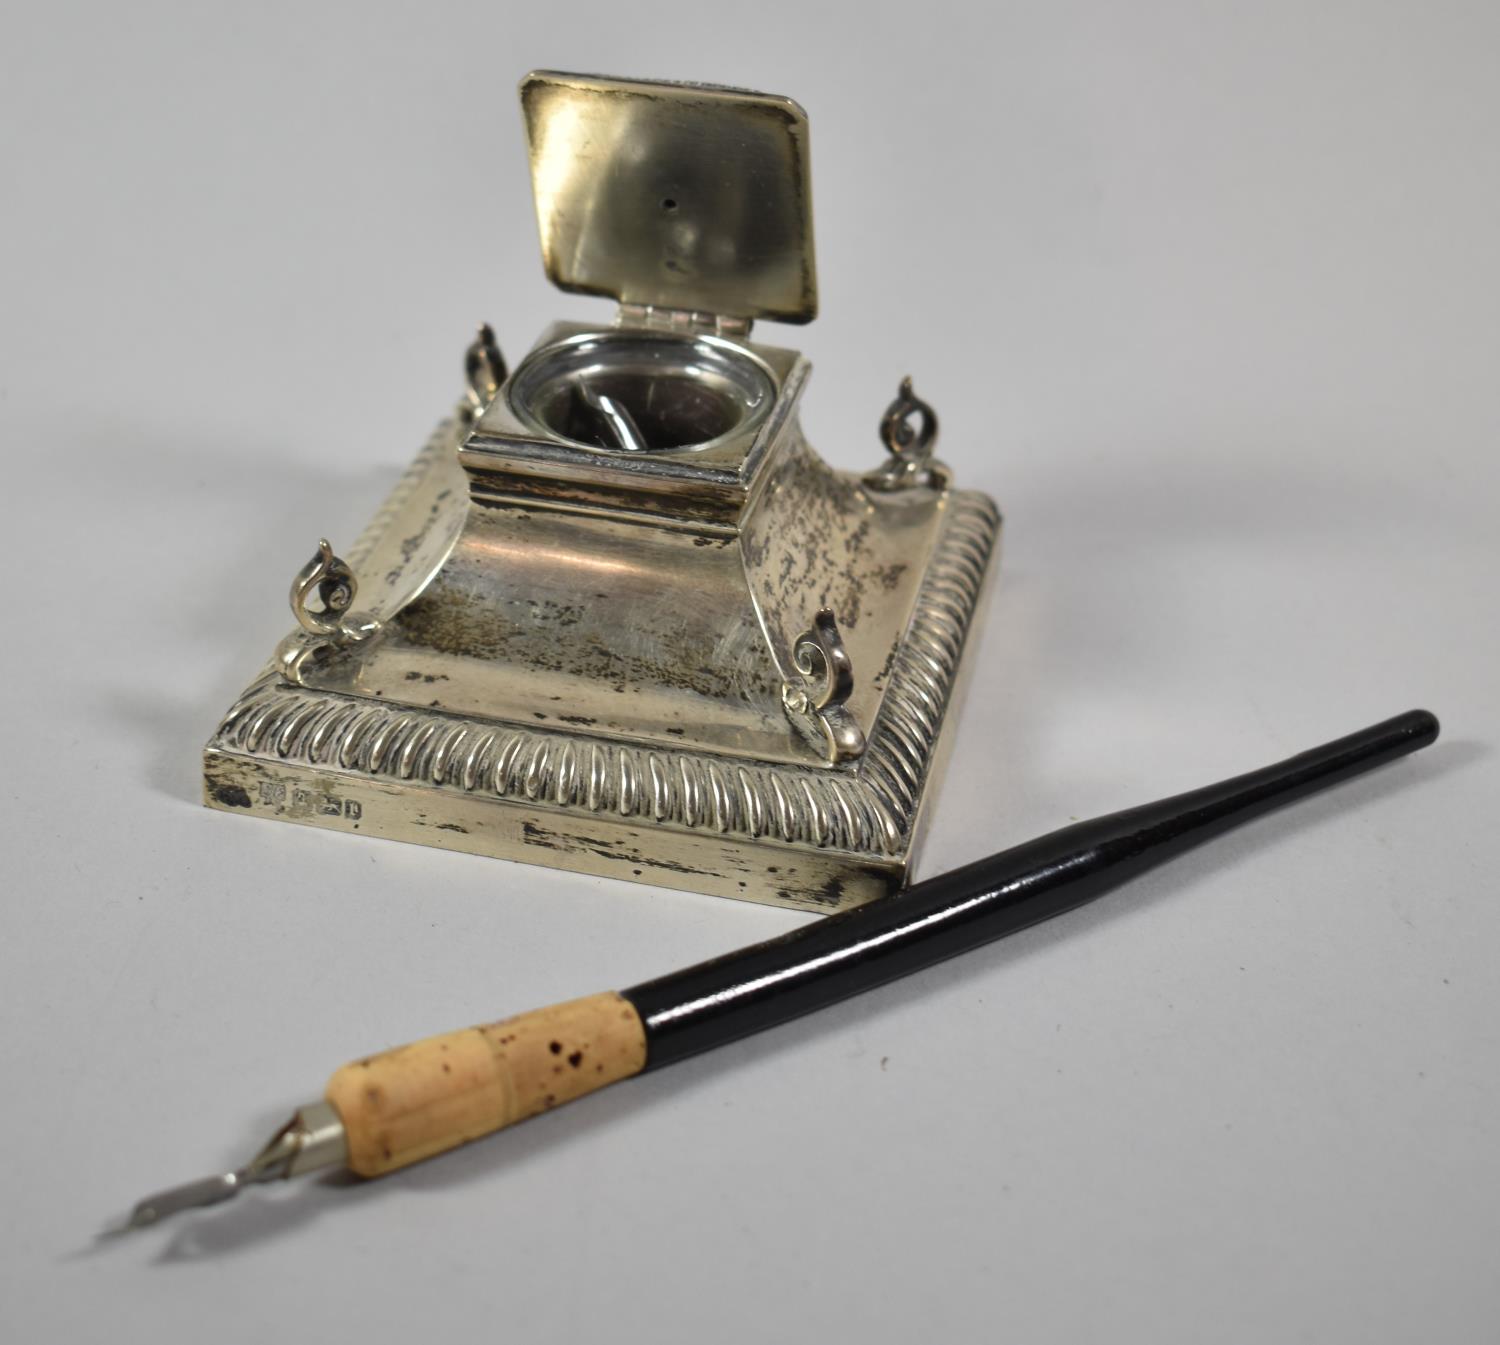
<point>511,728</point>
<point>673,196</point>
<point>620,616</point>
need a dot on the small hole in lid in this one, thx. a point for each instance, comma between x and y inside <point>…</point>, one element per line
<point>669,204</point>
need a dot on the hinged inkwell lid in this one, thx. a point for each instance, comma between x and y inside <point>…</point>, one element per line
<point>691,198</point>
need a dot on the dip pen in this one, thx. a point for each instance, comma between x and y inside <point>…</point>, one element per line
<point>386,1111</point>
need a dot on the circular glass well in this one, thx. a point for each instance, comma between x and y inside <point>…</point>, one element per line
<point>642,392</point>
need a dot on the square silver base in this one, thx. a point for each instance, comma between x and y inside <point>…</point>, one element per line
<point>817,838</point>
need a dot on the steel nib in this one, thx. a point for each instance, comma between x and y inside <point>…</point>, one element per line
<point>313,1138</point>
<point>189,1196</point>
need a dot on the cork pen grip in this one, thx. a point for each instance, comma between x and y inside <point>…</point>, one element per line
<point>418,1100</point>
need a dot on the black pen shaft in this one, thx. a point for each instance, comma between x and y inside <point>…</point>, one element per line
<point>817,965</point>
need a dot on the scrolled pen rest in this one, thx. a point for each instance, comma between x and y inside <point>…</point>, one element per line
<point>619,616</point>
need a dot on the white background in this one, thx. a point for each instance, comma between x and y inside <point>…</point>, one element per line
<point>1206,296</point>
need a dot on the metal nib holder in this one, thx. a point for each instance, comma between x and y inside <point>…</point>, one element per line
<point>618,616</point>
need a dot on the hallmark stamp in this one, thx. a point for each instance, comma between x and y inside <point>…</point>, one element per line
<point>300,800</point>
